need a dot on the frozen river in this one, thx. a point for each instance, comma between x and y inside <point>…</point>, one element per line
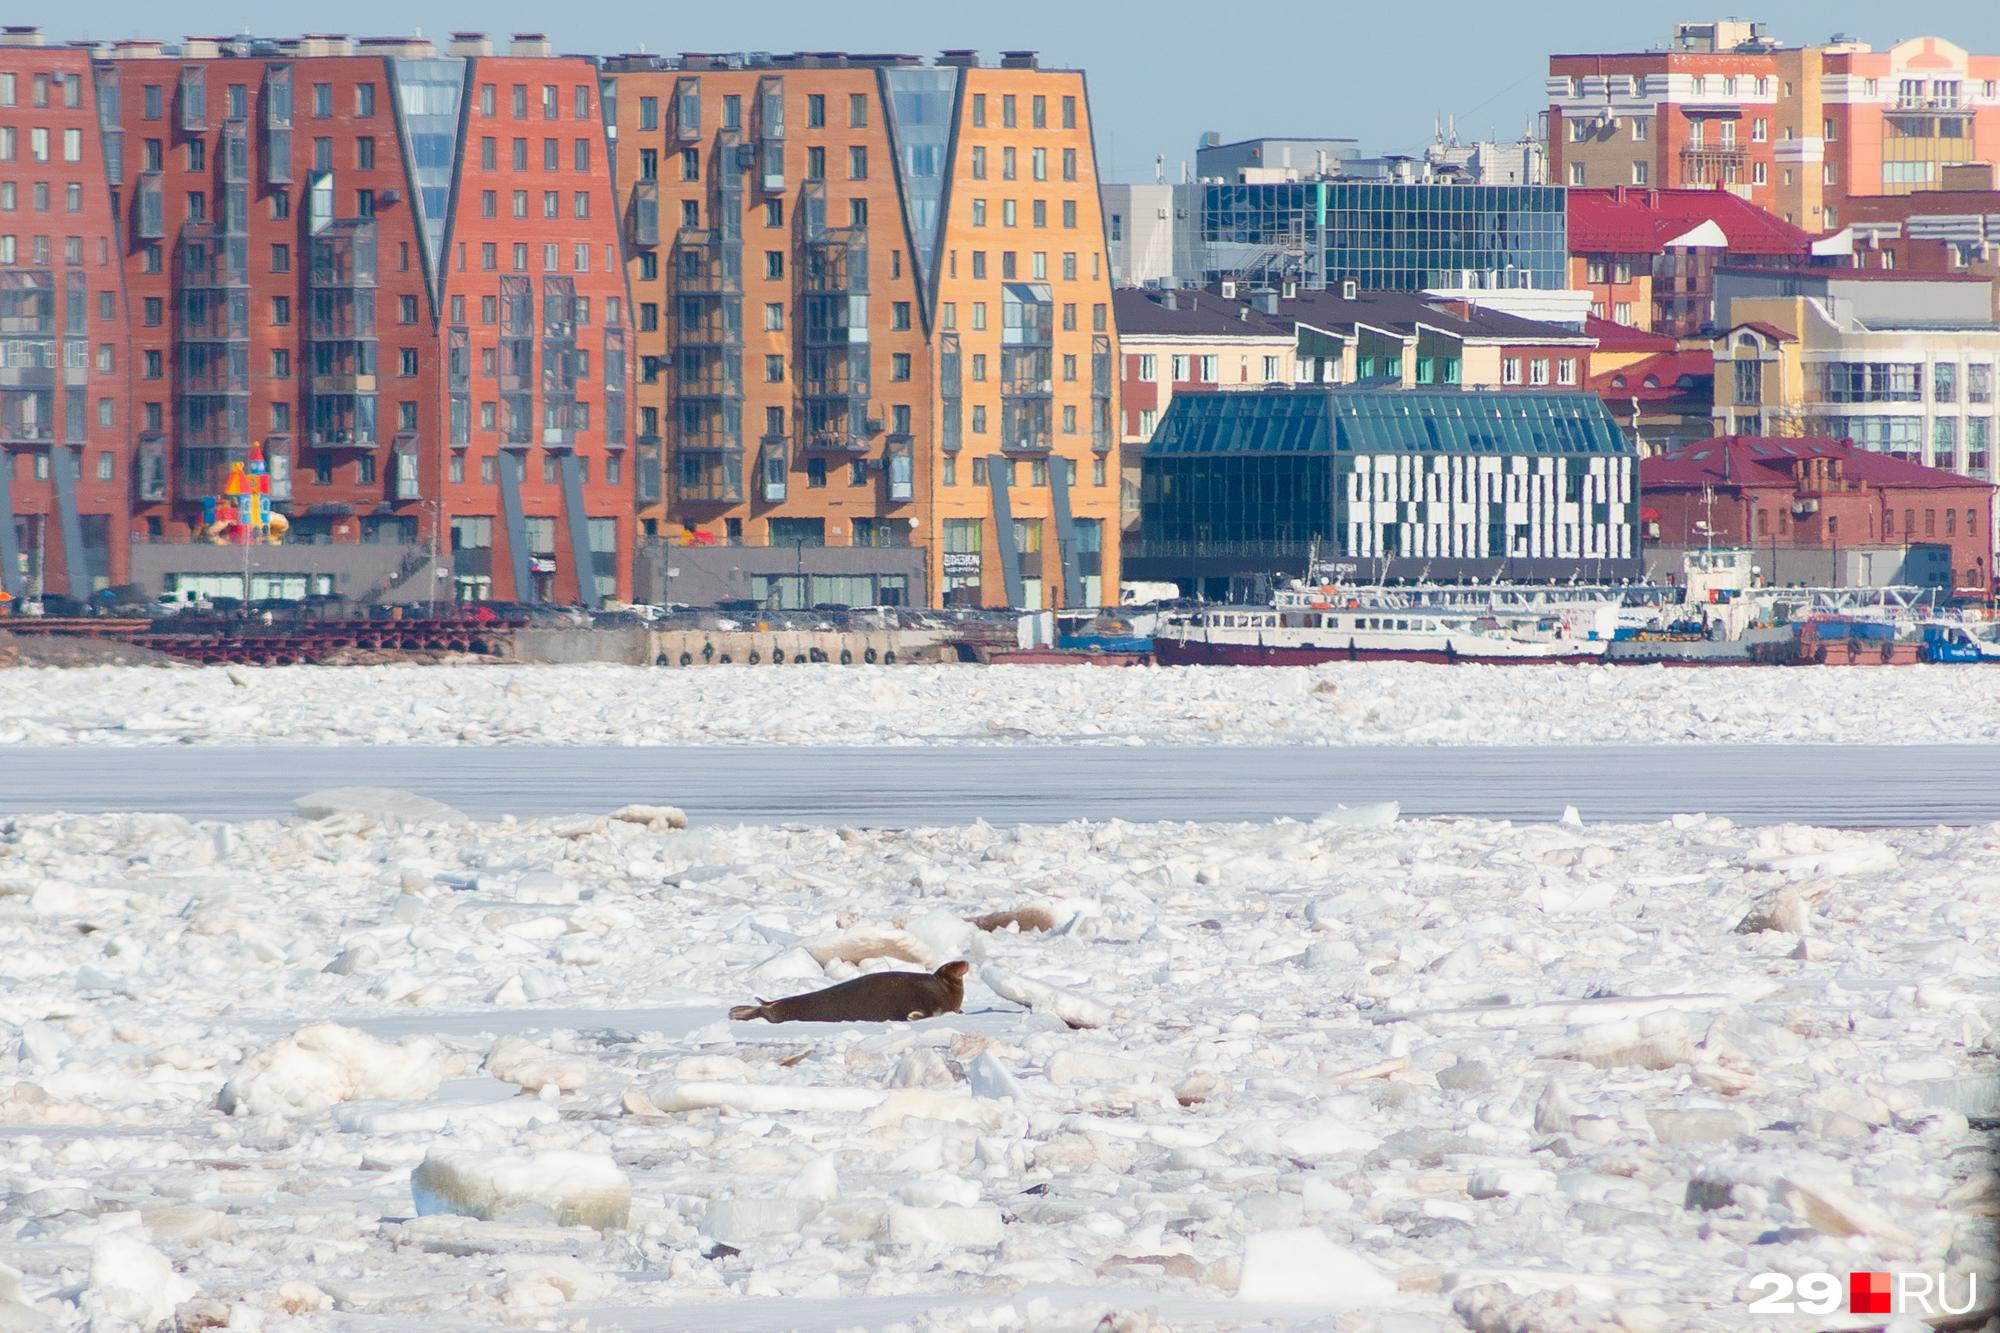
<point>906,787</point>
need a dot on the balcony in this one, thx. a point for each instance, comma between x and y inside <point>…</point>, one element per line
<point>1718,165</point>
<point>708,476</point>
<point>335,385</point>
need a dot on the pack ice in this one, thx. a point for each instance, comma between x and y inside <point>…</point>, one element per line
<point>1363,1072</point>
<point>1349,703</point>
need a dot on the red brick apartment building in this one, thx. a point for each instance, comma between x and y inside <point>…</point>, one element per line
<point>396,269</point>
<point>65,358</point>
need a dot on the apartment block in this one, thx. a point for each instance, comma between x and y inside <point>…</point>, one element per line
<point>1795,129</point>
<point>65,358</point>
<point>873,328</point>
<point>1898,364</point>
<point>395,269</point>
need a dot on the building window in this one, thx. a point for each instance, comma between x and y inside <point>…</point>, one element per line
<point>1566,370</point>
<point>1510,370</point>
<point>1642,128</point>
<point>1576,173</point>
<point>857,163</point>
<point>1642,172</point>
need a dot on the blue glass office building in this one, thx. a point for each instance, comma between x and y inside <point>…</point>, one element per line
<point>1381,234</point>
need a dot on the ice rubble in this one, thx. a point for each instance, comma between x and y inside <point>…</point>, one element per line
<point>1361,703</point>
<point>1419,1074</point>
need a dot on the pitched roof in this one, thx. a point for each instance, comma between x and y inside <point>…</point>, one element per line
<point>1143,313</point>
<point>1659,378</point>
<point>1615,337</point>
<point>1771,332</point>
<point>1633,220</point>
<point>1763,460</point>
<point>1205,312</point>
<point>1403,311</point>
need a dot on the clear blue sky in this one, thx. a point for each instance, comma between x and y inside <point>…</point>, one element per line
<point>1160,73</point>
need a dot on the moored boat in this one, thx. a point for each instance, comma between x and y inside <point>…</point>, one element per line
<point>1282,636</point>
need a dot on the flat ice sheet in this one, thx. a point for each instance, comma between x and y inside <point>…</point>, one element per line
<point>1525,1070</point>
<point>1367,703</point>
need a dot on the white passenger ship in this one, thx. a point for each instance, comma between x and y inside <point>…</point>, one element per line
<point>1309,625</point>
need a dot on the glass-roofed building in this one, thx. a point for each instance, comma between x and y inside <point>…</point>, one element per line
<point>1448,485</point>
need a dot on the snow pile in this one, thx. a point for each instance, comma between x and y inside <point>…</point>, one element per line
<point>1403,1073</point>
<point>1348,703</point>
<point>325,1063</point>
<point>131,1280</point>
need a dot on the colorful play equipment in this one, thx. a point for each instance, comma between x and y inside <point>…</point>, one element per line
<point>242,514</point>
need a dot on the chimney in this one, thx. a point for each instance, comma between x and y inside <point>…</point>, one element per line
<point>469,44</point>
<point>1170,300</point>
<point>531,44</point>
<point>959,58</point>
<point>20,34</point>
<point>1019,60</point>
<point>136,49</point>
<point>1267,302</point>
<point>201,48</point>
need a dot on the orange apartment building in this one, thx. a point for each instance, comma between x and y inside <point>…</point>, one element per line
<point>873,329</point>
<point>1793,129</point>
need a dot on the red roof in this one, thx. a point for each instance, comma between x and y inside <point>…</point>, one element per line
<point>1615,337</point>
<point>1632,220</point>
<point>1658,378</point>
<point>1769,331</point>
<point>1763,460</point>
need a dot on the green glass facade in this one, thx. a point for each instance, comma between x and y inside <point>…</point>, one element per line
<point>1440,485</point>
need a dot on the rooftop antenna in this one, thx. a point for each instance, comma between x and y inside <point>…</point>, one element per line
<point>1159,168</point>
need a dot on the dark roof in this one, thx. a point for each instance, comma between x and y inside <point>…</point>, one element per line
<point>1403,311</point>
<point>1378,421</point>
<point>1638,220</point>
<point>1206,312</point>
<point>1763,460</point>
<point>1141,311</point>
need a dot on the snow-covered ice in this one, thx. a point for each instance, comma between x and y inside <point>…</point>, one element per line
<point>1392,1074</point>
<point>1364,703</point>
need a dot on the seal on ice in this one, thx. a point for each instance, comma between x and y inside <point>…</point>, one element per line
<point>879,997</point>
